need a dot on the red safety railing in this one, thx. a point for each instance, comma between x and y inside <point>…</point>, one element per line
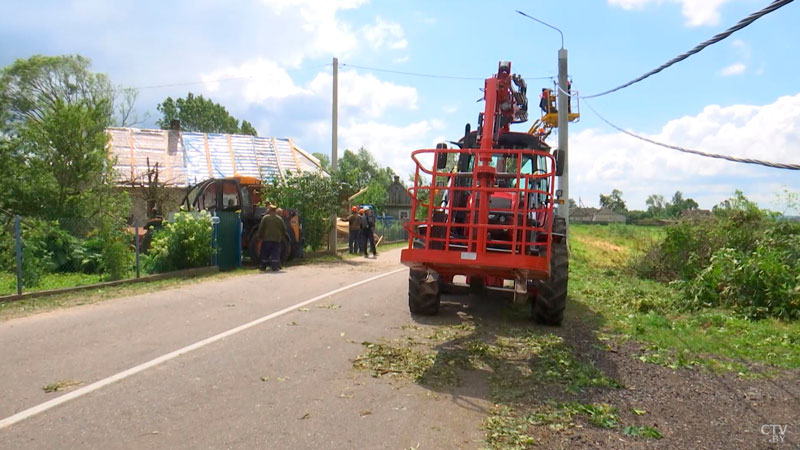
<point>492,219</point>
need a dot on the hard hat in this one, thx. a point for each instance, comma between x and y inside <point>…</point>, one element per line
<point>361,211</point>
<point>355,209</point>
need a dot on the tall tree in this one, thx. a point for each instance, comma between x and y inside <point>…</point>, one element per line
<point>324,160</point>
<point>359,170</point>
<point>655,205</point>
<point>613,202</point>
<point>54,112</point>
<point>198,113</point>
<point>679,205</point>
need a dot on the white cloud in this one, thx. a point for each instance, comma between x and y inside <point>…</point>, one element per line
<point>600,162</point>
<point>733,69</point>
<point>696,12</point>
<point>365,96</point>
<point>262,80</point>
<point>391,145</point>
<point>385,35</point>
<point>317,27</point>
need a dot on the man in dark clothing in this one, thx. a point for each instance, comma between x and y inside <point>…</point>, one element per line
<point>354,221</point>
<point>271,231</point>
<point>368,232</point>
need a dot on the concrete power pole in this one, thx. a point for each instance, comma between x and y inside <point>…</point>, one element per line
<point>563,127</point>
<point>334,146</point>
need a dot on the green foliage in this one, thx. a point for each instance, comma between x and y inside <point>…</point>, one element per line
<point>314,196</point>
<point>182,244</point>
<point>32,88</point>
<point>645,431</point>
<point>614,201</point>
<point>53,115</point>
<point>742,258</point>
<point>117,255</point>
<point>197,113</point>
<point>375,195</point>
<point>658,314</point>
<point>324,160</point>
<point>359,170</point>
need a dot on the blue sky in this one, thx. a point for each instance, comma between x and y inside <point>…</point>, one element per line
<point>739,97</point>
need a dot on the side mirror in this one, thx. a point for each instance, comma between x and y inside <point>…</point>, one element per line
<point>559,157</point>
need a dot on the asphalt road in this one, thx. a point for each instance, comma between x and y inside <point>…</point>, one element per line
<point>152,371</point>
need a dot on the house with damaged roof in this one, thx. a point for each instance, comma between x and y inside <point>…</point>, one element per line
<point>186,158</point>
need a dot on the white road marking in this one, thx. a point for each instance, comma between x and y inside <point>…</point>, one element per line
<point>20,416</point>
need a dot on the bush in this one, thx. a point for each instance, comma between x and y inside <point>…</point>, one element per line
<point>742,258</point>
<point>116,250</point>
<point>761,283</point>
<point>315,197</point>
<point>182,244</point>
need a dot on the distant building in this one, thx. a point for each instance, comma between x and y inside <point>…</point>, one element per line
<point>594,215</point>
<point>605,215</point>
<point>187,158</point>
<point>581,215</point>
<point>695,214</point>
<point>398,202</point>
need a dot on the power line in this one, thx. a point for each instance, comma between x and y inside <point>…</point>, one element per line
<point>742,23</point>
<point>220,80</point>
<point>427,75</point>
<point>696,152</point>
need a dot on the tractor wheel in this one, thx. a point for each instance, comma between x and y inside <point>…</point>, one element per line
<point>286,248</point>
<point>551,298</point>
<point>423,293</point>
<point>254,248</point>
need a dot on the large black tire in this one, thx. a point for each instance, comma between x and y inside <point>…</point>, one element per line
<point>551,298</point>
<point>254,248</point>
<point>286,248</point>
<point>423,294</point>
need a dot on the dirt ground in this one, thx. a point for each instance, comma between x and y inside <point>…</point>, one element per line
<point>690,408</point>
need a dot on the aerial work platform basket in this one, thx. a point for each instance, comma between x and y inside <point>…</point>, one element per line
<point>490,215</point>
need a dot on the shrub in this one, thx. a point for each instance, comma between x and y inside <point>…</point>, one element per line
<point>742,258</point>
<point>314,196</point>
<point>116,253</point>
<point>182,244</point>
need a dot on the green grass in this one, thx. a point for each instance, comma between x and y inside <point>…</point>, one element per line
<point>30,306</point>
<point>654,313</point>
<point>8,282</point>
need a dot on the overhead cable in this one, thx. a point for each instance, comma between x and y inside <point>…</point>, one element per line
<point>219,80</point>
<point>742,23</point>
<point>427,75</point>
<point>696,152</point>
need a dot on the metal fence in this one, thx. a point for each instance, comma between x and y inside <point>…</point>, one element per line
<point>38,255</point>
<point>387,229</point>
<point>392,230</point>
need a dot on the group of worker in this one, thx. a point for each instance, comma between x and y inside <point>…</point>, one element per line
<point>362,232</point>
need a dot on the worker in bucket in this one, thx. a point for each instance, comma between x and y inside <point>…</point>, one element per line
<point>271,231</point>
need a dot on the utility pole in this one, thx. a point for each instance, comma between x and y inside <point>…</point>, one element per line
<point>334,146</point>
<point>563,126</point>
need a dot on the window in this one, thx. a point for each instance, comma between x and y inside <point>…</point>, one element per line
<point>404,213</point>
<point>209,197</point>
<point>230,196</point>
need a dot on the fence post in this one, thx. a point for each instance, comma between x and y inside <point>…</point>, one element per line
<point>214,230</point>
<point>136,239</point>
<point>18,238</point>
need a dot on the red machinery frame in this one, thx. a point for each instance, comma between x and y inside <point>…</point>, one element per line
<point>526,255</point>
